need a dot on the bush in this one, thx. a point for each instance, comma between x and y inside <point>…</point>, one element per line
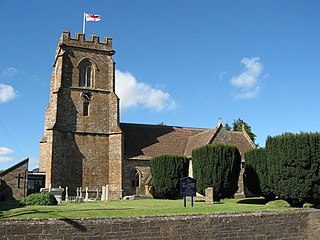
<point>166,171</point>
<point>217,166</point>
<point>256,173</point>
<point>42,198</point>
<point>293,167</point>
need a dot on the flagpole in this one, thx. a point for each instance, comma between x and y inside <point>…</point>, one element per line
<point>84,23</point>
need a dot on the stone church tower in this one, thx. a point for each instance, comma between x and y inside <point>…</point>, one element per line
<point>82,143</point>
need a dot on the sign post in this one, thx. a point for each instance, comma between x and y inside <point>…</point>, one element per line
<point>188,188</point>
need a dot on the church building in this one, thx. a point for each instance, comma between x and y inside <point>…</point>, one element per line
<point>85,145</point>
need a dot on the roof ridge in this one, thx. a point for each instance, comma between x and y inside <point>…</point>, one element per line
<point>160,125</point>
<point>19,164</point>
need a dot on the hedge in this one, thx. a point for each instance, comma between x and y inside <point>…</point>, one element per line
<point>217,166</point>
<point>294,167</point>
<point>256,173</point>
<point>166,171</point>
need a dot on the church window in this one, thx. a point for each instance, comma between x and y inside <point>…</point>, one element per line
<point>135,181</point>
<point>85,77</point>
<point>85,109</point>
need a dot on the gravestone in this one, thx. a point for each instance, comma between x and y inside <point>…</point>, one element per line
<point>107,192</point>
<point>86,199</point>
<point>103,195</point>
<point>56,192</point>
<point>209,195</point>
<point>67,194</point>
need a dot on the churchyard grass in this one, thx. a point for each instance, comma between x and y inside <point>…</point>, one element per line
<point>131,208</point>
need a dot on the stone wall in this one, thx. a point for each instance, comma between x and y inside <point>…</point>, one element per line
<point>131,168</point>
<point>82,143</point>
<point>300,224</point>
<point>13,181</point>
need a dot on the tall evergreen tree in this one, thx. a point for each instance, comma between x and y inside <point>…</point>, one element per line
<point>217,166</point>
<point>227,127</point>
<point>256,173</point>
<point>166,171</point>
<point>293,167</point>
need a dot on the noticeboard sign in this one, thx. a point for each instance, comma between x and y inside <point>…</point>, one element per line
<point>188,187</point>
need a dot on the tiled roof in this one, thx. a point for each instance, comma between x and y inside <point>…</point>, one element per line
<point>199,140</point>
<point>239,139</point>
<point>142,141</point>
<point>236,138</point>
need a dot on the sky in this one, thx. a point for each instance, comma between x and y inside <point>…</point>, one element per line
<point>178,62</point>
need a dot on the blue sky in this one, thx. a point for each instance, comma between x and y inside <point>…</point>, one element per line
<point>184,63</point>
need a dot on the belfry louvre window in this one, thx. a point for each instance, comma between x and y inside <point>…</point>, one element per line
<point>85,77</point>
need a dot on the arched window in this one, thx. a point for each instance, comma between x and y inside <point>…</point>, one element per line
<point>135,178</point>
<point>85,77</point>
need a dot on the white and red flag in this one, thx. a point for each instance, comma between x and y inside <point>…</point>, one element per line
<point>90,18</point>
<point>93,17</point>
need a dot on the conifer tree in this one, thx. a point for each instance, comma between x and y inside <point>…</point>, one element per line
<point>217,166</point>
<point>227,127</point>
<point>256,173</point>
<point>293,167</point>
<point>166,171</point>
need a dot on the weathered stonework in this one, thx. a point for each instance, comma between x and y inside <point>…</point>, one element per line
<point>290,225</point>
<point>13,181</point>
<point>138,180</point>
<point>79,149</point>
<point>209,195</point>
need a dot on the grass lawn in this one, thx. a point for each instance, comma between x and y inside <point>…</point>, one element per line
<point>128,208</point>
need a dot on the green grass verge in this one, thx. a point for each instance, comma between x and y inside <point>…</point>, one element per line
<point>129,208</point>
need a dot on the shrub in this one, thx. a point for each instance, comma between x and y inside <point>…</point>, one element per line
<point>293,167</point>
<point>166,171</point>
<point>217,166</point>
<point>42,198</point>
<point>256,173</point>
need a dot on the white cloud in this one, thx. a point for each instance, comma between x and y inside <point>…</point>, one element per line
<point>5,151</point>
<point>7,93</point>
<point>133,93</point>
<point>33,160</point>
<point>4,159</point>
<point>9,72</point>
<point>248,82</point>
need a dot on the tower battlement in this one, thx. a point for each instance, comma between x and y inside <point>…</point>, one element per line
<point>80,41</point>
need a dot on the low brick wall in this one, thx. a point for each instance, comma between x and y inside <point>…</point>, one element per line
<point>298,224</point>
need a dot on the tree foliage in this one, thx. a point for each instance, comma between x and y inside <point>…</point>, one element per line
<point>217,166</point>
<point>227,127</point>
<point>237,126</point>
<point>294,165</point>
<point>166,172</point>
<point>256,173</point>
<point>291,169</point>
